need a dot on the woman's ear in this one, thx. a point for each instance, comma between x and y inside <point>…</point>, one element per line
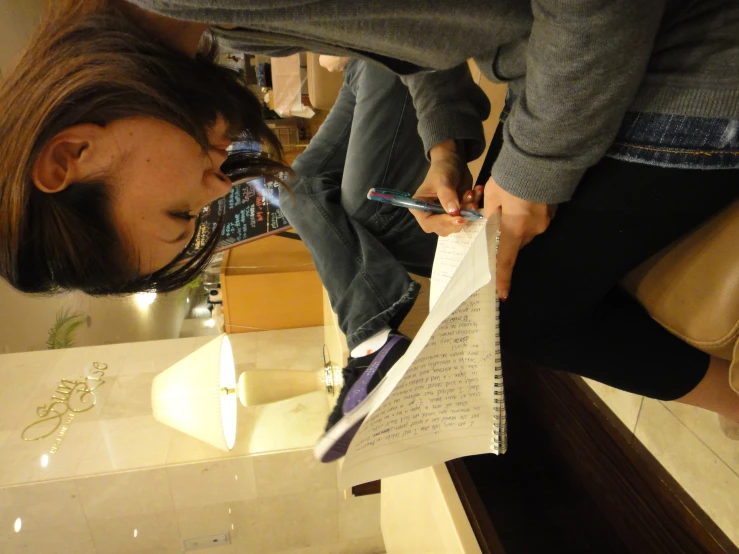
<point>67,158</point>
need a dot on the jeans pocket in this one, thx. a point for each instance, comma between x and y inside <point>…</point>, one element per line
<point>386,220</point>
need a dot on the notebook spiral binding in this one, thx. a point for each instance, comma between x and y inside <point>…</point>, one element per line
<point>500,422</point>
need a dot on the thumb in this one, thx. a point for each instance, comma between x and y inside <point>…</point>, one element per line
<point>448,197</point>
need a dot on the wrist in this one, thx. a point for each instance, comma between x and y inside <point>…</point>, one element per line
<point>443,150</point>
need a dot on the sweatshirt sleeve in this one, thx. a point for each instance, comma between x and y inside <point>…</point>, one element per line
<point>584,63</point>
<point>449,106</point>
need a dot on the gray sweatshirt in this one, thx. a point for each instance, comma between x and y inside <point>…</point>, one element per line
<point>576,65</point>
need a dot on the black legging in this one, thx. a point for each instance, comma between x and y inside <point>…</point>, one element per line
<point>565,309</point>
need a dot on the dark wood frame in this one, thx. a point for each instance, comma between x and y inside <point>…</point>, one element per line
<point>642,509</point>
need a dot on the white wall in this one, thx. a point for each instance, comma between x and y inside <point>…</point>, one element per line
<point>17,21</point>
<point>120,433</point>
<point>26,319</point>
<point>118,470</point>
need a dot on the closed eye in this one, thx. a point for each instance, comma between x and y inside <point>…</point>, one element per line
<point>185,216</point>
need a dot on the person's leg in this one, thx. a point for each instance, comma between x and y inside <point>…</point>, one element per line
<point>368,286</point>
<point>565,310</point>
<point>385,151</point>
<point>714,393</point>
<point>363,250</point>
<point>326,153</point>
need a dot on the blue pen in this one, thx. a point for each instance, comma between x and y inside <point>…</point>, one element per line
<point>404,200</point>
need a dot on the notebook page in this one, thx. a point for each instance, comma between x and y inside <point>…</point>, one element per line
<point>437,403</point>
<point>450,251</point>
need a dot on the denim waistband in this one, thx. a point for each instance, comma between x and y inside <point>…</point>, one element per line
<point>677,141</point>
<point>672,140</point>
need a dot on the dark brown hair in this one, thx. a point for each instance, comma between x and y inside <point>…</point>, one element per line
<point>88,64</point>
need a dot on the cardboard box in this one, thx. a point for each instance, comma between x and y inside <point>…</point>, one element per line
<point>270,284</point>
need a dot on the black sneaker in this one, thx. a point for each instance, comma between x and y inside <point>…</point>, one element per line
<point>361,376</point>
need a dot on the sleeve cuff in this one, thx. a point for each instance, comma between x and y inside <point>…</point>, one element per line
<point>534,179</point>
<point>463,129</point>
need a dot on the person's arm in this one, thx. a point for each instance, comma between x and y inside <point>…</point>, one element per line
<point>180,35</point>
<point>333,64</point>
<point>585,62</point>
<point>450,108</point>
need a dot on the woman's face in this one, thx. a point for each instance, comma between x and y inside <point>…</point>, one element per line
<point>159,176</point>
<point>162,182</point>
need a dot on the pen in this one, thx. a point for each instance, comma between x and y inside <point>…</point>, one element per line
<point>403,199</point>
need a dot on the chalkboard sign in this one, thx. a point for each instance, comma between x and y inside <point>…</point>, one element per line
<point>250,211</point>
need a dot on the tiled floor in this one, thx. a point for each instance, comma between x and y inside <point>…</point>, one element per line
<point>688,442</point>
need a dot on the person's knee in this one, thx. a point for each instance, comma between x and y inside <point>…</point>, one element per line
<point>307,199</point>
<point>291,198</point>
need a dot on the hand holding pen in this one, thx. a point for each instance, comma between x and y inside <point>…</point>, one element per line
<point>404,200</point>
<point>447,178</point>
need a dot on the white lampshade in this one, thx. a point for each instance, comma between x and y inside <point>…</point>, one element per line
<point>196,395</point>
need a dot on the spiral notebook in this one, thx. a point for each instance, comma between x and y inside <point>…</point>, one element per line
<point>445,397</point>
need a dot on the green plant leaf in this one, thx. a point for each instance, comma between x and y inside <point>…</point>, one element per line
<point>62,334</point>
<point>191,286</point>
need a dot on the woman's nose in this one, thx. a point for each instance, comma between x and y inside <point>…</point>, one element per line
<point>215,182</point>
<point>218,156</point>
<point>215,186</point>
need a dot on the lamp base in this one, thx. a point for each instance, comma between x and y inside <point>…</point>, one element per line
<point>332,379</point>
<point>268,386</point>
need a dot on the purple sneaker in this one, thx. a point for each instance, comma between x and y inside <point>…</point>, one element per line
<point>361,376</point>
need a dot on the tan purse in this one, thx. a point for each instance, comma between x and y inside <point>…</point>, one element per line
<point>692,288</point>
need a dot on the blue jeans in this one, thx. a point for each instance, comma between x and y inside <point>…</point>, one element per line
<point>363,250</point>
<point>677,141</point>
<point>671,141</point>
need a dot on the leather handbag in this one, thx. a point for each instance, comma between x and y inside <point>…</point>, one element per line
<point>692,287</point>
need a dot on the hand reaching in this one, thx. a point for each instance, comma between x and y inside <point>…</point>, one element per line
<point>446,178</point>
<point>520,221</point>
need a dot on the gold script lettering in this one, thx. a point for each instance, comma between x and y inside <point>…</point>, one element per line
<point>70,397</point>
